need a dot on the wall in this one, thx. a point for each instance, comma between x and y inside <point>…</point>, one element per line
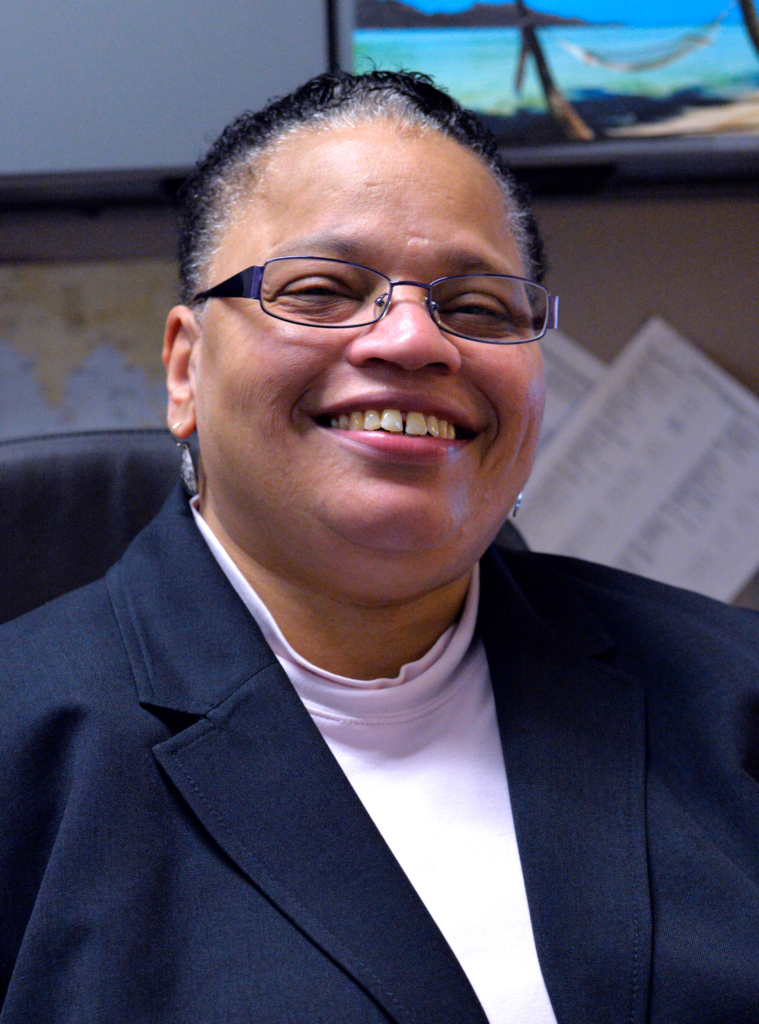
<point>692,260</point>
<point>104,84</point>
<point>103,107</point>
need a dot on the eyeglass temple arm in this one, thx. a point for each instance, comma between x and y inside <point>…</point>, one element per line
<point>245,285</point>
<point>553,312</point>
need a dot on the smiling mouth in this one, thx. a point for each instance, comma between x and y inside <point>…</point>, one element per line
<point>395,421</point>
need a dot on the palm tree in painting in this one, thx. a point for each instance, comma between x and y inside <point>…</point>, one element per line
<point>748,8</point>
<point>572,124</point>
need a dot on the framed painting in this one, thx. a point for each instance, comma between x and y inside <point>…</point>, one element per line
<point>578,81</point>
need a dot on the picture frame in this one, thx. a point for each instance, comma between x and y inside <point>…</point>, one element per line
<point>583,92</point>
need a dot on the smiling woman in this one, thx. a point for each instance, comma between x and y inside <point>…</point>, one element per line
<point>315,749</point>
<point>374,523</point>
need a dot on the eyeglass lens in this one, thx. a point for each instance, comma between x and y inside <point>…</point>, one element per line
<point>330,293</point>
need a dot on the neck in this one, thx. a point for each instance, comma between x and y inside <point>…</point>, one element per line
<point>341,635</point>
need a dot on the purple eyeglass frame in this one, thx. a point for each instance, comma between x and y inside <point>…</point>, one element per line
<point>246,284</point>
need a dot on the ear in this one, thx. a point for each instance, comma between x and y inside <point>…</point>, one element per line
<point>179,357</point>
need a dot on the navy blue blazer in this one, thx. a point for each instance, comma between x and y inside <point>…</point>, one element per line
<point>178,844</point>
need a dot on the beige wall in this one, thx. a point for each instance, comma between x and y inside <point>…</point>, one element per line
<point>694,261</point>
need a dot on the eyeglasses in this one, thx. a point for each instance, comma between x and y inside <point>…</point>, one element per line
<point>317,292</point>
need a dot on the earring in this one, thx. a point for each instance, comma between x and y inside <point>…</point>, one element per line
<point>187,472</point>
<point>517,503</point>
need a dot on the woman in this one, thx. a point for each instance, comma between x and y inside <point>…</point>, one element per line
<point>311,751</point>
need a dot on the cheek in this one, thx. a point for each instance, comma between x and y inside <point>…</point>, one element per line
<point>518,399</point>
<point>251,382</point>
<point>535,400</point>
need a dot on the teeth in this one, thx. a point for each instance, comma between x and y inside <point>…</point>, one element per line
<point>416,423</point>
<point>395,422</point>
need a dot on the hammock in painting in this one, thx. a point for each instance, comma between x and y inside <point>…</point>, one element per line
<point>651,57</point>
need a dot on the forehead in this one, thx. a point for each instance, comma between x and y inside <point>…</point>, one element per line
<point>378,193</point>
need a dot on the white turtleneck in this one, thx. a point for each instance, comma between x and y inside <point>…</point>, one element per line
<point>423,753</point>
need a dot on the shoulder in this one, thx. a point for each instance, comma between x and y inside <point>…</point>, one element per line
<point>67,699</point>
<point>59,649</point>
<point>73,648</point>
<point>75,749</point>
<point>697,659</point>
<point>632,608</point>
<point>696,664</point>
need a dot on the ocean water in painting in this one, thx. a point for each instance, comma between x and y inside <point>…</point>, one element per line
<point>478,66</point>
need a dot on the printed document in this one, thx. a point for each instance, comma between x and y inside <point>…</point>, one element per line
<point>571,374</point>
<point>656,473</point>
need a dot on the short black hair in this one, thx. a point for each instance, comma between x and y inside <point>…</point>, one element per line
<point>335,98</point>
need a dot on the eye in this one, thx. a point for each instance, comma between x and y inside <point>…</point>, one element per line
<point>318,287</point>
<point>320,299</point>
<point>488,307</point>
<point>475,304</point>
<point>322,292</point>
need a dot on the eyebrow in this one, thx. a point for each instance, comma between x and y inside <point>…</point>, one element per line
<point>323,245</point>
<point>454,261</point>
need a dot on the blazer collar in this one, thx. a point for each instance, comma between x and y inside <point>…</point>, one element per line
<point>573,737</point>
<point>190,640</point>
<point>192,643</point>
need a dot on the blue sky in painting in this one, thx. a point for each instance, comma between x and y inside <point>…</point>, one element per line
<point>630,12</point>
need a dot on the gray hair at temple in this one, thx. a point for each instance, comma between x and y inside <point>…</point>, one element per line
<point>228,172</point>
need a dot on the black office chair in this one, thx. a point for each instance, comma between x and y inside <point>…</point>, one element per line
<point>71,503</point>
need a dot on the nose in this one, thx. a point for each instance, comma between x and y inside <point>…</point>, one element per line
<point>406,335</point>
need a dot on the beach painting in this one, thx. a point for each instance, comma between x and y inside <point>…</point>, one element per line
<point>578,70</point>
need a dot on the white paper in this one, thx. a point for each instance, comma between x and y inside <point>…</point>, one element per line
<point>657,473</point>
<point>571,375</point>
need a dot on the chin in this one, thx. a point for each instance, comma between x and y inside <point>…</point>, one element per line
<point>408,531</point>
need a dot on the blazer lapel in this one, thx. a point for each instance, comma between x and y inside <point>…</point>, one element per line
<point>254,769</point>
<point>573,733</point>
<point>258,775</point>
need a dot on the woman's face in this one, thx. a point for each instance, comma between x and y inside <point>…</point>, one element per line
<point>361,509</point>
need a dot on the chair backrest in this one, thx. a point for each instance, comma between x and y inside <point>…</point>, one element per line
<point>71,503</point>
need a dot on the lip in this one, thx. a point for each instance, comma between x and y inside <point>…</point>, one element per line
<point>402,449</point>
<point>405,401</point>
